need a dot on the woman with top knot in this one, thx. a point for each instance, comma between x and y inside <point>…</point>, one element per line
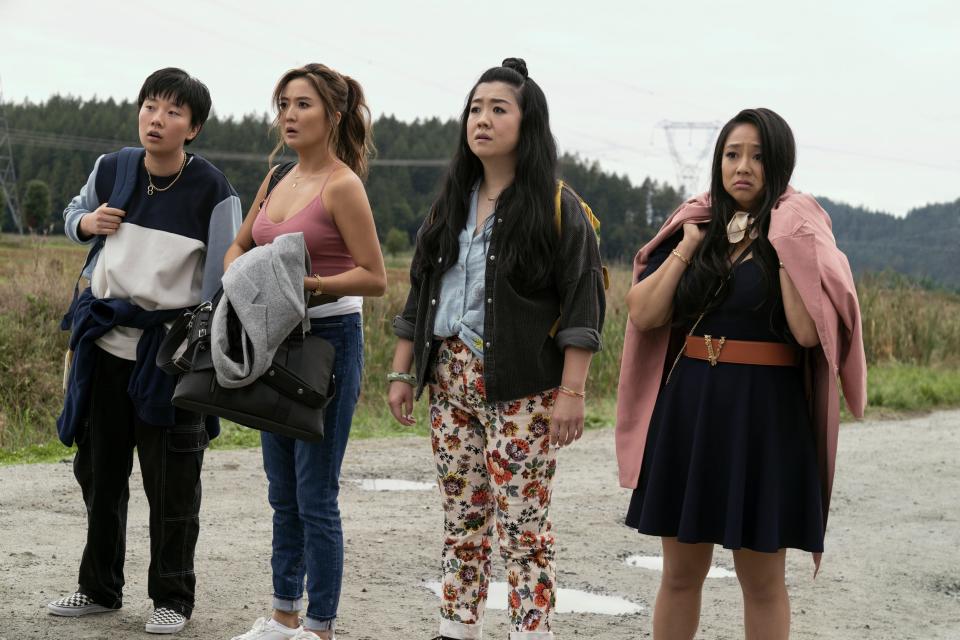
<point>504,313</point>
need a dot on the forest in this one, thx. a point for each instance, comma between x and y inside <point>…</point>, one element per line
<point>55,143</point>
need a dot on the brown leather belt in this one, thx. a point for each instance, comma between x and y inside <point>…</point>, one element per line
<point>714,350</point>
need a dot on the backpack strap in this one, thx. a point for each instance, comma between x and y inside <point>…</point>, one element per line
<point>558,207</point>
<point>124,183</point>
<point>593,220</point>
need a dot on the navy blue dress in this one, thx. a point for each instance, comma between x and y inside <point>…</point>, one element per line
<point>730,456</point>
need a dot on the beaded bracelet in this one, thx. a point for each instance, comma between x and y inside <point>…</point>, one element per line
<point>680,255</point>
<point>407,378</point>
<point>571,392</point>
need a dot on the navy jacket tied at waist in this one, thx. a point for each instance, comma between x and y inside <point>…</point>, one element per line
<point>150,389</point>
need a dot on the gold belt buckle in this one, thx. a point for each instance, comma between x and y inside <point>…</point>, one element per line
<point>711,356</point>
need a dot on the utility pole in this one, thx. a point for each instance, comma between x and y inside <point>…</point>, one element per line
<point>8,174</point>
<point>688,166</point>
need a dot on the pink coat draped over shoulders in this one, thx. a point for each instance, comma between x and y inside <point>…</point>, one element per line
<point>801,233</point>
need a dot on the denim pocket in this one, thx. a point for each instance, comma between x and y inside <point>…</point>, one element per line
<point>319,326</point>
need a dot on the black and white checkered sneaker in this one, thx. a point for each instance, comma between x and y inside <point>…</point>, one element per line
<point>166,620</point>
<point>78,604</point>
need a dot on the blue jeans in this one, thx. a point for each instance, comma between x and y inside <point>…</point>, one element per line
<point>304,483</point>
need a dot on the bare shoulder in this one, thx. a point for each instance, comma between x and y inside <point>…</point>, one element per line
<point>345,193</point>
<point>344,183</point>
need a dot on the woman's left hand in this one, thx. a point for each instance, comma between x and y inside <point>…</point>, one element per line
<point>566,422</point>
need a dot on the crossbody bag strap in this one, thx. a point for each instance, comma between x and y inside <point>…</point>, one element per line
<point>716,293</point>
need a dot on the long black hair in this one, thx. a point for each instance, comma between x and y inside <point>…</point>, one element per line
<point>711,263</point>
<point>527,237</point>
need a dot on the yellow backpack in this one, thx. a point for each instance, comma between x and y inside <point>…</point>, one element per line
<point>591,218</point>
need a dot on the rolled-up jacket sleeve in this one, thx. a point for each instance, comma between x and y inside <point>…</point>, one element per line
<point>579,277</point>
<point>403,328</point>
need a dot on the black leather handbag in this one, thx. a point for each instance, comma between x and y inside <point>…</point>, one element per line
<point>289,399</point>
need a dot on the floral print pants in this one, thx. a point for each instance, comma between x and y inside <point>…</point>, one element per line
<point>495,469</point>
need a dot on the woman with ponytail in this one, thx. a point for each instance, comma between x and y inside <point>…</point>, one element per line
<point>323,118</point>
<point>743,313</point>
<point>503,316</point>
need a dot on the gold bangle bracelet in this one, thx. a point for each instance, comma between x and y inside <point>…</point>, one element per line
<point>571,392</point>
<point>319,288</point>
<point>680,255</point>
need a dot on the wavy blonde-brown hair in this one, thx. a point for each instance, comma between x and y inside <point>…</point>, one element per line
<point>352,139</point>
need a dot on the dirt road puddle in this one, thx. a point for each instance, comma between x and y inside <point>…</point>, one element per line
<point>655,563</point>
<point>392,484</point>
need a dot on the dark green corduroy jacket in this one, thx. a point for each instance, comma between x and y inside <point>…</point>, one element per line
<point>522,355</point>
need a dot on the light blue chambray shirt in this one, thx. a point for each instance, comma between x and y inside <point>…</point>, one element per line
<point>461,305</point>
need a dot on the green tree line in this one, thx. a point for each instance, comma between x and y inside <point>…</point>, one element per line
<point>924,245</point>
<point>399,195</point>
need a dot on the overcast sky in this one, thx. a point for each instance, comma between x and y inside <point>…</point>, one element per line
<point>869,87</point>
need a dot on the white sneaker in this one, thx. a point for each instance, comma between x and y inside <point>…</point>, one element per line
<point>269,629</point>
<point>165,620</point>
<point>78,604</point>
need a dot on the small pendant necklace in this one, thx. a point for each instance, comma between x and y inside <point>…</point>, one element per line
<point>152,188</point>
<point>494,198</point>
<point>297,176</point>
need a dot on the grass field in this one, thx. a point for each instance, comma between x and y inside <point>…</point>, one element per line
<point>912,339</point>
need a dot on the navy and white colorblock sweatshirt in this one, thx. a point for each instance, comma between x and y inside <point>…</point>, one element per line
<point>168,252</point>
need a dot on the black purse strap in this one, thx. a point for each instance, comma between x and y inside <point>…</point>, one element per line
<point>275,178</point>
<point>167,361</point>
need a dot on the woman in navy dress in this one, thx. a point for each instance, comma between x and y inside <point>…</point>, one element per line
<point>730,454</point>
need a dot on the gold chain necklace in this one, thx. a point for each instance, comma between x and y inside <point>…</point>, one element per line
<point>152,188</point>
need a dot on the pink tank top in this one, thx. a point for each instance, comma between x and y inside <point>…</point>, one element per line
<point>328,252</point>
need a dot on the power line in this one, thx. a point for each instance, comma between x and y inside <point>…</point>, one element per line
<point>100,145</point>
<point>688,171</point>
<point>873,156</point>
<point>8,173</point>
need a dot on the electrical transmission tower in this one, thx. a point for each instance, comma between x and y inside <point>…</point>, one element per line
<point>8,174</point>
<point>687,163</point>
